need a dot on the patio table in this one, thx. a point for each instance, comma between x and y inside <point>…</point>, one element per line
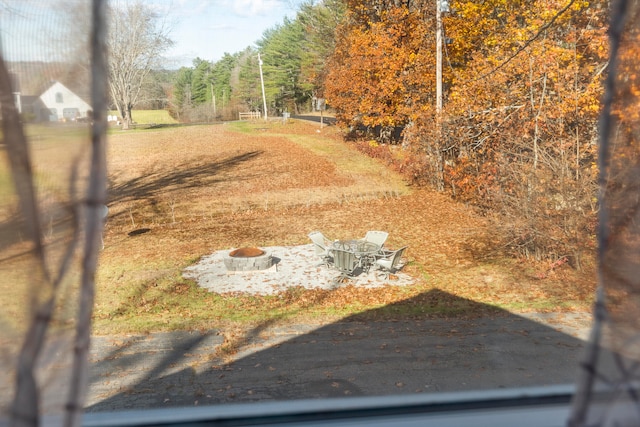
<point>365,252</point>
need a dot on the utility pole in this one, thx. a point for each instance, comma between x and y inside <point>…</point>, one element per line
<point>438,60</point>
<point>441,6</point>
<point>264,98</point>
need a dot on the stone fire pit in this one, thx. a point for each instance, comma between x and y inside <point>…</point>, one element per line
<point>247,259</point>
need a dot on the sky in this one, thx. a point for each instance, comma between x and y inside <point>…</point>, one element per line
<point>200,28</point>
<point>209,28</point>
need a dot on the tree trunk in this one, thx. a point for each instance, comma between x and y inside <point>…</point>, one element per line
<point>125,113</point>
<point>129,120</point>
<point>126,120</point>
<point>122,112</point>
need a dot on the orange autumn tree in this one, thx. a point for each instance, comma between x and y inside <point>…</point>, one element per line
<point>522,83</point>
<point>518,134</point>
<point>377,74</point>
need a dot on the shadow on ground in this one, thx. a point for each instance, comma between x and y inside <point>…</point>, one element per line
<point>152,182</point>
<point>354,357</point>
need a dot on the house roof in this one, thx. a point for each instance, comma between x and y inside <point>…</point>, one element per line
<point>34,78</point>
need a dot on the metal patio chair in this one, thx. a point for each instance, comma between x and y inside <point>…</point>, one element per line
<point>345,262</point>
<point>322,247</point>
<point>377,237</point>
<point>390,262</point>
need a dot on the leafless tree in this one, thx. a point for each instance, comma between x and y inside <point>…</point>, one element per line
<point>50,263</point>
<point>607,392</point>
<point>137,38</point>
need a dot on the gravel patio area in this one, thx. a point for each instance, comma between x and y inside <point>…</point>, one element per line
<point>293,266</point>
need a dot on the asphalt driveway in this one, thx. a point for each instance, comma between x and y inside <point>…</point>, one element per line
<point>349,358</point>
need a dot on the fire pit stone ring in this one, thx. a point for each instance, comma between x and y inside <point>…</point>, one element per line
<point>248,259</point>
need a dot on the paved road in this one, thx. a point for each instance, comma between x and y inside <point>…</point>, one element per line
<point>350,358</point>
<point>313,118</point>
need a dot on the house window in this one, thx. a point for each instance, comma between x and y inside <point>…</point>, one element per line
<point>59,98</point>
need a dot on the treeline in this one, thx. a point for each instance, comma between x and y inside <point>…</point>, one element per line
<point>517,135</point>
<point>293,54</point>
<point>521,81</point>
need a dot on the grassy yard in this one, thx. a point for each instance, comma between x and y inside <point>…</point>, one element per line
<point>146,117</point>
<point>179,193</point>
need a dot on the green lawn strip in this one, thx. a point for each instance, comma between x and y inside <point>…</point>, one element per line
<point>346,159</point>
<point>547,306</point>
<point>245,126</point>
<point>149,116</point>
<point>171,303</point>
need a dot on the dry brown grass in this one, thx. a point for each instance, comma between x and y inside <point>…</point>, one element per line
<point>178,194</point>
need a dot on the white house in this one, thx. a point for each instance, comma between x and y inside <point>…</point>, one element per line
<point>57,103</point>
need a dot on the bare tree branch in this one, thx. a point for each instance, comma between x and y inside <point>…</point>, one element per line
<point>584,392</point>
<point>94,210</point>
<point>25,406</point>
